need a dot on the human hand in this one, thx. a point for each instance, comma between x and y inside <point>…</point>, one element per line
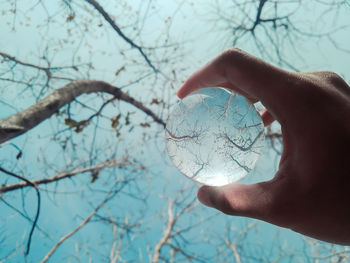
<point>310,192</point>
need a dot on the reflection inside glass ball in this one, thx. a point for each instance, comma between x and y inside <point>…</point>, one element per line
<point>214,137</point>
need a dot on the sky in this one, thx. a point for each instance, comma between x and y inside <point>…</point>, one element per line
<point>202,37</point>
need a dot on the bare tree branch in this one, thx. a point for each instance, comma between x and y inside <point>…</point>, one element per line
<point>23,63</point>
<point>232,246</point>
<point>22,122</point>
<point>272,28</point>
<point>61,175</point>
<point>38,205</point>
<point>75,230</point>
<point>244,148</point>
<point>258,14</point>
<point>25,217</point>
<point>106,16</point>
<point>116,248</point>
<point>167,233</point>
<point>47,70</point>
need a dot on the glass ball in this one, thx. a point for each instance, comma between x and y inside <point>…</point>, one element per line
<point>214,136</point>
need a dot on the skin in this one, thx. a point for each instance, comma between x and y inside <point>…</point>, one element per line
<point>310,193</point>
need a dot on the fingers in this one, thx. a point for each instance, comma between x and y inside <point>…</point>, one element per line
<point>238,199</point>
<point>235,89</point>
<point>333,79</point>
<point>267,118</point>
<point>247,75</point>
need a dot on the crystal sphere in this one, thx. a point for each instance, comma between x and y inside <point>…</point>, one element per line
<point>214,137</point>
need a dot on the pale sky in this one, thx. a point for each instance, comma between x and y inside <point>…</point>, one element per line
<point>202,39</point>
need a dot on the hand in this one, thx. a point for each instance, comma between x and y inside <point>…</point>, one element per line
<point>310,193</point>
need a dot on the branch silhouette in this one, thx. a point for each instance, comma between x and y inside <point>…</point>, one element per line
<point>106,16</point>
<point>38,205</point>
<point>22,122</point>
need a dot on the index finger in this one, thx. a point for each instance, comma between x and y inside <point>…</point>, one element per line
<point>247,74</point>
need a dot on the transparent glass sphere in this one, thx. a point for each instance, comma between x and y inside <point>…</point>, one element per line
<point>214,137</point>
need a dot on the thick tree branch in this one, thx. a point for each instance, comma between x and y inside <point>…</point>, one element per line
<point>22,122</point>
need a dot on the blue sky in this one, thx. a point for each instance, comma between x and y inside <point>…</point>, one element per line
<point>195,28</point>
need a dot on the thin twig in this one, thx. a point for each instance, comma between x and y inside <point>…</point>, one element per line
<point>106,16</point>
<point>234,250</point>
<point>38,206</point>
<point>75,230</point>
<point>61,175</point>
<point>25,216</point>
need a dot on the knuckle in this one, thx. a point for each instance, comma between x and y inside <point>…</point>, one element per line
<point>230,57</point>
<point>333,79</point>
<point>310,86</point>
<point>231,53</point>
<point>324,83</point>
<point>330,77</point>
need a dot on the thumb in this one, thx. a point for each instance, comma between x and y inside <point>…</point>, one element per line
<point>238,199</point>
